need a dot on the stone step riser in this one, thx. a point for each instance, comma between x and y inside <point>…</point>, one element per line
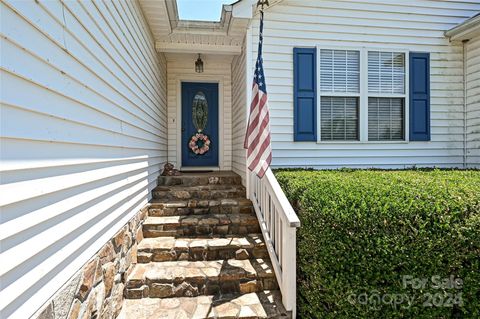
<point>198,230</point>
<point>201,225</point>
<point>200,207</point>
<point>185,194</point>
<point>196,287</point>
<point>200,254</point>
<point>185,211</point>
<point>199,180</point>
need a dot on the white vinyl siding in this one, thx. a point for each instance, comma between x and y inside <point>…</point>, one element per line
<point>239,113</point>
<point>473,103</point>
<point>416,26</point>
<point>83,137</point>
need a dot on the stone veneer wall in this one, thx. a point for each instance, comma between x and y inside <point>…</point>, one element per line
<point>97,290</point>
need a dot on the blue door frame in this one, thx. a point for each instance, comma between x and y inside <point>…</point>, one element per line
<point>210,91</point>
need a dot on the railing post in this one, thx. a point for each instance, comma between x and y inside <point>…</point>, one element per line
<point>289,263</point>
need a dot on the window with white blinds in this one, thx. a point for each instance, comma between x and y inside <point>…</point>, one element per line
<point>386,72</point>
<point>386,77</point>
<point>339,95</point>
<point>366,106</point>
<point>385,119</point>
<point>339,118</point>
<point>339,71</point>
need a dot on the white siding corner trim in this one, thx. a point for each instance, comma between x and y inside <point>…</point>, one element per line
<point>83,137</point>
<point>473,103</point>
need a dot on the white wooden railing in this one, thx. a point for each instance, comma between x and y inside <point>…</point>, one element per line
<point>279,223</point>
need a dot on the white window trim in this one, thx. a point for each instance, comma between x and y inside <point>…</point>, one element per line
<point>364,94</point>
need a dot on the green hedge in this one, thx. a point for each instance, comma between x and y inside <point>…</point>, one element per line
<point>364,232</point>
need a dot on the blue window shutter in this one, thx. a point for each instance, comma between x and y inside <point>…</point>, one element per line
<point>305,94</point>
<point>419,96</point>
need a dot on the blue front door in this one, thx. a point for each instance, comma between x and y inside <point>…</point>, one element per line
<point>199,124</point>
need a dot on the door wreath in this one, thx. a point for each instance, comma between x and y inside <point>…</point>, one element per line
<point>199,143</point>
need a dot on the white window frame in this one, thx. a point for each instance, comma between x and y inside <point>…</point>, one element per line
<point>364,94</point>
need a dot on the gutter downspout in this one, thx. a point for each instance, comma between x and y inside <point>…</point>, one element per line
<point>464,44</point>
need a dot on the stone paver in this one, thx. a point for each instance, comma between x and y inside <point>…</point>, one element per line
<point>175,207</point>
<point>195,179</point>
<point>265,304</point>
<point>200,225</point>
<point>192,278</point>
<point>171,248</point>
<point>181,192</point>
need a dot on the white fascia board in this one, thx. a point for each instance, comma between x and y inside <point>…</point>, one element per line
<point>167,47</point>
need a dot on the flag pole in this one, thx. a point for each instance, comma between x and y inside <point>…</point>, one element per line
<point>258,135</point>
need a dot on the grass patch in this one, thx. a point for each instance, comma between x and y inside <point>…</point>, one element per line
<point>372,234</point>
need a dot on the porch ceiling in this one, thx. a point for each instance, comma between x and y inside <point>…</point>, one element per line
<point>174,35</point>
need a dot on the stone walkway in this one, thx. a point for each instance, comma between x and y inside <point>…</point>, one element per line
<point>266,304</point>
<point>201,254</point>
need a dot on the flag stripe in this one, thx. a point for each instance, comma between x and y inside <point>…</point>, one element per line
<point>261,132</point>
<point>253,111</point>
<point>264,151</point>
<point>259,118</point>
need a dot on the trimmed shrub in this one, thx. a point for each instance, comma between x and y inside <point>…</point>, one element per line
<point>371,239</point>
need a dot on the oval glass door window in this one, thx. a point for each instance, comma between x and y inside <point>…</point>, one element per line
<point>200,111</point>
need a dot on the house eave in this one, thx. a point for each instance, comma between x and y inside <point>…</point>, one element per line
<point>197,26</point>
<point>172,34</point>
<point>465,30</point>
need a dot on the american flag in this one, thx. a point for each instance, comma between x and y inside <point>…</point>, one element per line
<point>257,138</point>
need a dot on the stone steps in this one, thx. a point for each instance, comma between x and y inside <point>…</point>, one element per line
<point>197,179</point>
<point>193,278</point>
<point>181,192</point>
<point>196,249</point>
<point>194,225</point>
<point>174,207</point>
<point>260,305</point>
<point>201,254</point>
